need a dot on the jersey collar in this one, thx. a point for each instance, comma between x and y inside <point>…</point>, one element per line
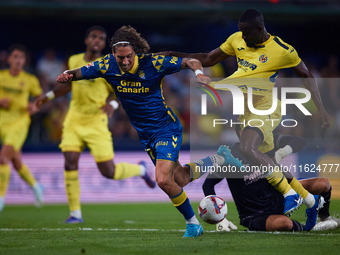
<point>134,68</point>
<point>262,45</point>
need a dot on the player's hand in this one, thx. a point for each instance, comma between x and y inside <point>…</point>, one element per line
<point>64,78</point>
<point>203,79</point>
<point>225,225</point>
<point>108,109</point>
<point>32,108</point>
<point>40,100</point>
<point>4,103</point>
<point>326,120</point>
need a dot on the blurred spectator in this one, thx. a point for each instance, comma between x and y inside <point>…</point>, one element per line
<point>331,69</point>
<point>3,59</point>
<point>48,68</point>
<point>331,90</point>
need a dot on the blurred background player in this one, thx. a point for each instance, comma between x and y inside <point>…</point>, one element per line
<point>260,56</point>
<point>16,86</point>
<point>137,82</point>
<point>259,205</point>
<point>86,123</point>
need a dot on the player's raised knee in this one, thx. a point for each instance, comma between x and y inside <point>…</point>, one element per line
<point>164,183</point>
<point>324,185</point>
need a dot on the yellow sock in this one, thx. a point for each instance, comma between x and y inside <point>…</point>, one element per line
<point>278,181</point>
<point>182,203</point>
<point>126,170</point>
<point>5,175</point>
<point>194,171</point>
<point>72,189</point>
<point>297,186</point>
<point>26,174</point>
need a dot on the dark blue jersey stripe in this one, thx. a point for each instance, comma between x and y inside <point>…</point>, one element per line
<point>280,43</point>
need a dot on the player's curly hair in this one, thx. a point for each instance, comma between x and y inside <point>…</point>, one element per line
<point>130,35</point>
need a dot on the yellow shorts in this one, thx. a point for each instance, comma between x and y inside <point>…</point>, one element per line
<point>92,131</point>
<point>15,133</point>
<point>265,124</point>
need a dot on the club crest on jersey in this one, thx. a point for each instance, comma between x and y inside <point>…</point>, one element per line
<point>90,64</point>
<point>263,59</point>
<point>142,75</point>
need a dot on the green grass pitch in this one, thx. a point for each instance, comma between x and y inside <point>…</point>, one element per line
<point>146,229</point>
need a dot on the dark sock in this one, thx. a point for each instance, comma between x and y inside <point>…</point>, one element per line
<point>297,226</point>
<point>324,211</point>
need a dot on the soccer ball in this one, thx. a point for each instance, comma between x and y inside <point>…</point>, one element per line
<point>212,209</point>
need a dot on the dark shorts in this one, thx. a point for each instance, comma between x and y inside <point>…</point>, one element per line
<point>256,223</point>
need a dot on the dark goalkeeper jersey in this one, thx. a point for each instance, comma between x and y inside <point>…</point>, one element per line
<point>251,191</point>
<point>253,194</point>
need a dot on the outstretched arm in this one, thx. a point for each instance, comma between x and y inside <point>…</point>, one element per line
<point>207,59</point>
<point>66,77</point>
<point>61,90</point>
<point>302,71</point>
<point>196,66</point>
<point>70,75</point>
<point>110,106</point>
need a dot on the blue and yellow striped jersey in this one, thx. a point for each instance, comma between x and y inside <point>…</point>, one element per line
<point>140,89</point>
<point>258,67</point>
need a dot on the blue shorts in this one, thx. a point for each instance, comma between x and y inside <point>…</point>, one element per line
<point>165,145</point>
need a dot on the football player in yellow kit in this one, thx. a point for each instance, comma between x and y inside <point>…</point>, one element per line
<point>16,86</point>
<point>260,56</point>
<point>86,123</point>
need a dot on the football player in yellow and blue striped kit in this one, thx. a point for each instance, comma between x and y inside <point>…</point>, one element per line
<point>260,56</point>
<point>86,123</point>
<point>16,86</point>
<point>136,78</point>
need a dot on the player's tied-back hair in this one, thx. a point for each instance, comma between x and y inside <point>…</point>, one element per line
<point>127,35</point>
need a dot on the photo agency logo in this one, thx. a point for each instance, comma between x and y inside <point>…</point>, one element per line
<point>239,104</point>
<point>204,98</point>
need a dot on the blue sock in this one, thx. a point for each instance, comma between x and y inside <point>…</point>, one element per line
<point>182,203</point>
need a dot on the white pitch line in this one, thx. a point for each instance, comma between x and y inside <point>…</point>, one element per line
<point>160,230</point>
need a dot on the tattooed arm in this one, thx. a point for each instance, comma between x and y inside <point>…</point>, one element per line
<point>70,75</point>
<point>196,66</point>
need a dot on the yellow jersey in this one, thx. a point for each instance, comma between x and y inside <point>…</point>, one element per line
<point>88,96</point>
<point>18,89</point>
<point>258,66</point>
